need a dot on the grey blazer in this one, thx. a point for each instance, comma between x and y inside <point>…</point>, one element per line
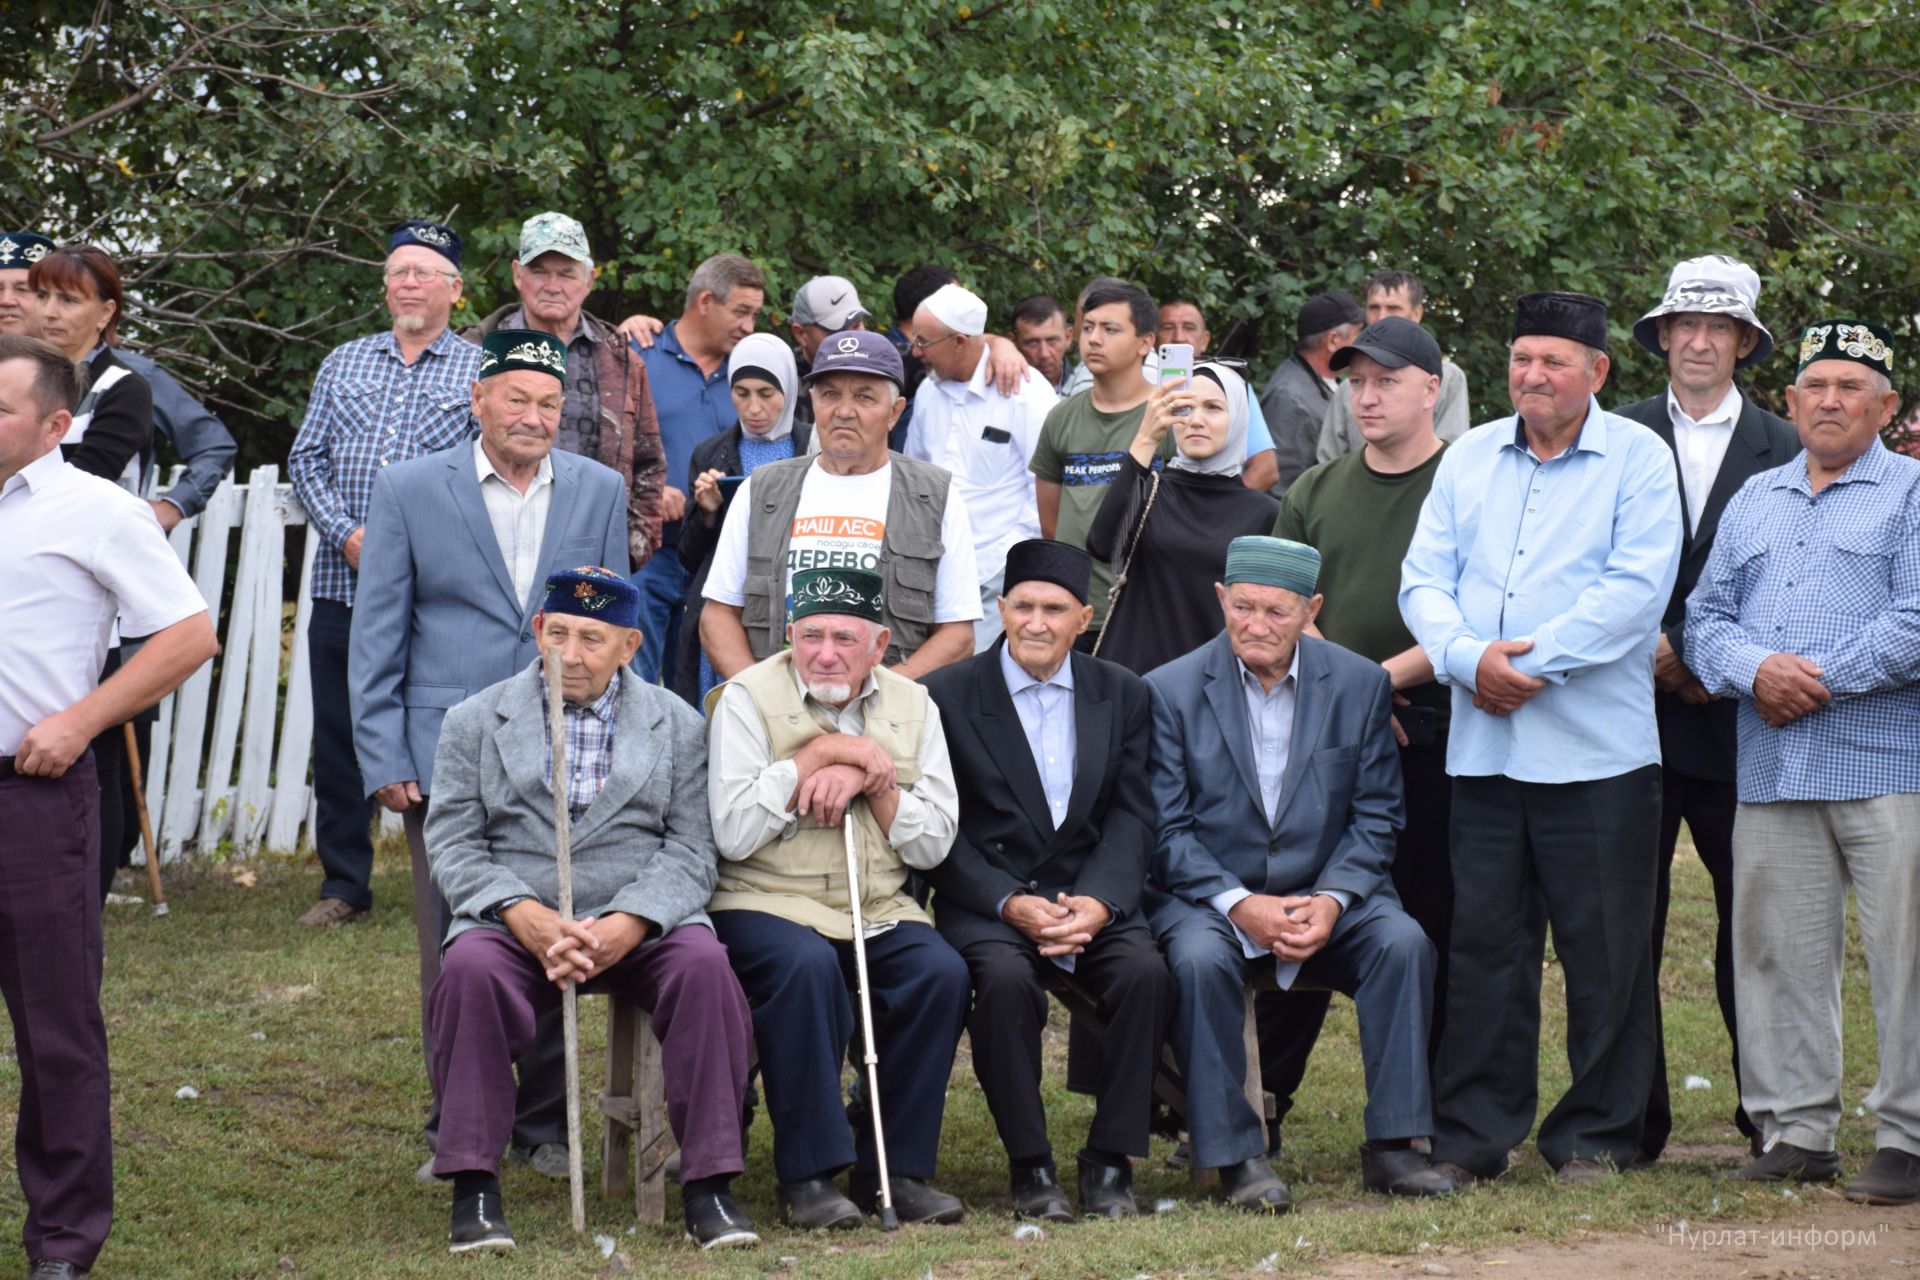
<point>645,846</point>
<point>435,619</point>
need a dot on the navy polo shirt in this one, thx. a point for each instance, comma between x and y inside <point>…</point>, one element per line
<point>692,407</point>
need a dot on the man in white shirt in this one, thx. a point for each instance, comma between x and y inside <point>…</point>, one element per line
<point>1704,330</point>
<point>854,505</point>
<point>79,553</point>
<point>963,423</point>
<point>457,545</point>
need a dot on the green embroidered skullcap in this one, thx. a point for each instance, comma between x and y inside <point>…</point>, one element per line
<point>1854,340</point>
<point>1273,562</point>
<point>852,592</point>
<point>505,350</point>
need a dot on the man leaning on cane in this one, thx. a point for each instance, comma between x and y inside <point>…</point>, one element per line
<point>797,741</point>
<point>643,868</point>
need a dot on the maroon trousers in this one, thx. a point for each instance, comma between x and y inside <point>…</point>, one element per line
<point>491,991</point>
<point>50,976</point>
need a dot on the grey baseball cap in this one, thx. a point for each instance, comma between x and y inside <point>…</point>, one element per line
<point>553,233</point>
<point>858,351</point>
<point>828,301</point>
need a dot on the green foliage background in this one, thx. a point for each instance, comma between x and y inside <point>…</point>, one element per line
<point>244,158</point>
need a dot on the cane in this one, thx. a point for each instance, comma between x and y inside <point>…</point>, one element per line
<point>563,857</point>
<point>889,1220</point>
<point>146,823</point>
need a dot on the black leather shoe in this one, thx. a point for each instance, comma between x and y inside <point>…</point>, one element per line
<point>1106,1190</point>
<point>1037,1193</point>
<point>715,1222</point>
<point>55,1269</point>
<point>815,1204</point>
<point>1253,1186</point>
<point>913,1200</point>
<point>1784,1162</point>
<point>1401,1171</point>
<point>479,1226</point>
<point>1891,1177</point>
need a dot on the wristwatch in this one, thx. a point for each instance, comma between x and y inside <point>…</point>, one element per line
<point>492,913</point>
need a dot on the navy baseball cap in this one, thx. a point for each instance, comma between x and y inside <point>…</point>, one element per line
<point>1395,342</point>
<point>859,351</point>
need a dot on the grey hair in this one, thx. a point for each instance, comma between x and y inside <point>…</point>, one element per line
<point>720,275</point>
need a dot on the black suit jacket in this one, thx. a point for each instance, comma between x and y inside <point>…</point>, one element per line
<point>1007,843</point>
<point>1698,742</point>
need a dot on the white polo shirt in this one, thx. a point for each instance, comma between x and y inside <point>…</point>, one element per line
<point>75,552</point>
<point>986,440</point>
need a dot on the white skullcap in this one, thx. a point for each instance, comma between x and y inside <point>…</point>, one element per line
<point>957,309</point>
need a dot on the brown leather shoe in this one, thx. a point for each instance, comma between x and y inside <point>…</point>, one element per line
<point>330,911</point>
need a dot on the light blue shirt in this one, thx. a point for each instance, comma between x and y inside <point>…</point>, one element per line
<point>1045,708</point>
<point>1832,576</point>
<point>1577,554</point>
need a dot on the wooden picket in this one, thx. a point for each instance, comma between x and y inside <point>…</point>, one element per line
<point>195,794</point>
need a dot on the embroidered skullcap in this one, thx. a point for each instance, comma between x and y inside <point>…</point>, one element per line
<point>593,592</point>
<point>19,250</point>
<point>1044,560</point>
<point>850,592</point>
<point>1855,340</point>
<point>959,310</point>
<point>442,240</point>
<point>505,350</point>
<point>1576,316</point>
<point>1273,562</point>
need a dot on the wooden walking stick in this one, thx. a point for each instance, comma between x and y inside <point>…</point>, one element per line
<point>889,1220</point>
<point>146,823</point>
<point>563,856</point>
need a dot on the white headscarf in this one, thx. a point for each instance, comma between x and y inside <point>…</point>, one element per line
<point>1232,456</point>
<point>764,351</point>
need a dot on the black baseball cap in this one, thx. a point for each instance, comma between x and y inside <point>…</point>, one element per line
<point>1395,342</point>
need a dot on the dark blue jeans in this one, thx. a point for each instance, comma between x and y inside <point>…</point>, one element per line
<point>342,810</point>
<point>663,599</point>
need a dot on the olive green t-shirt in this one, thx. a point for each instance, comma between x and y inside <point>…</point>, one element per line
<point>1081,450</point>
<point>1362,521</point>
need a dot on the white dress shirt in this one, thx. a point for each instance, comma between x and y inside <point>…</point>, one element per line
<point>1701,446</point>
<point>950,425</point>
<point>748,790</point>
<point>519,519</point>
<point>75,552</point>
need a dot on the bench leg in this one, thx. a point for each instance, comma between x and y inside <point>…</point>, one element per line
<point>617,1103</point>
<point>656,1137</point>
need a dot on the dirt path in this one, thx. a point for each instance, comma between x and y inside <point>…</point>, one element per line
<point>1832,1238</point>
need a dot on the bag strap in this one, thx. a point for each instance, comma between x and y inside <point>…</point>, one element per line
<point>1120,579</point>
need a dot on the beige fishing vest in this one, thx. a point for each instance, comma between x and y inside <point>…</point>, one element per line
<point>802,875</point>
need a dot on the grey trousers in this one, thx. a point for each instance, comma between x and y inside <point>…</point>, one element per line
<point>1792,863</point>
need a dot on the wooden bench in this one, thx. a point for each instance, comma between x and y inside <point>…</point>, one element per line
<point>633,1101</point>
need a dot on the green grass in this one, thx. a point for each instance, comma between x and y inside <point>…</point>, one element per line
<point>297,1158</point>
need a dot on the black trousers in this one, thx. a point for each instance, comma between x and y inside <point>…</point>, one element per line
<point>1290,1021</point>
<point>1120,968</point>
<point>1579,856</point>
<point>342,810</point>
<point>1707,808</point>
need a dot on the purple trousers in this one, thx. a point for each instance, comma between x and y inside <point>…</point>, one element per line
<point>490,992</point>
<point>50,976</point>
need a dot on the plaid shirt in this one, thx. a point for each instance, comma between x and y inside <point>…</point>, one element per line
<point>369,409</point>
<point>589,744</point>
<point>1833,577</point>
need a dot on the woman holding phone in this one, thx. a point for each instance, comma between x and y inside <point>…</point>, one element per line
<point>1166,531</point>
<point>764,381</point>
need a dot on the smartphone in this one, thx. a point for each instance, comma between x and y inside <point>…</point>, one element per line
<point>1176,363</point>
<point>728,486</point>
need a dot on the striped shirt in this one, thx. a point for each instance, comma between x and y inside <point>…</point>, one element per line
<point>589,743</point>
<point>370,409</point>
<point>1834,577</point>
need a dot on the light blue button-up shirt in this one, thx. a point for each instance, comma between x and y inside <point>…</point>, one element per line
<point>1576,553</point>
<point>1832,576</point>
<point>1045,708</point>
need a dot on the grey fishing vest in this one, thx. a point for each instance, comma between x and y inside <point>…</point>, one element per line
<point>909,556</point>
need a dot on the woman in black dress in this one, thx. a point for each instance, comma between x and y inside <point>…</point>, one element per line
<point>1167,537</point>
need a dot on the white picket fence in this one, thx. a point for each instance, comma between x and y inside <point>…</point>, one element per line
<point>246,781</point>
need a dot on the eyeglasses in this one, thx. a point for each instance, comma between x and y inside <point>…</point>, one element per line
<point>917,343</point>
<point>422,274</point>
